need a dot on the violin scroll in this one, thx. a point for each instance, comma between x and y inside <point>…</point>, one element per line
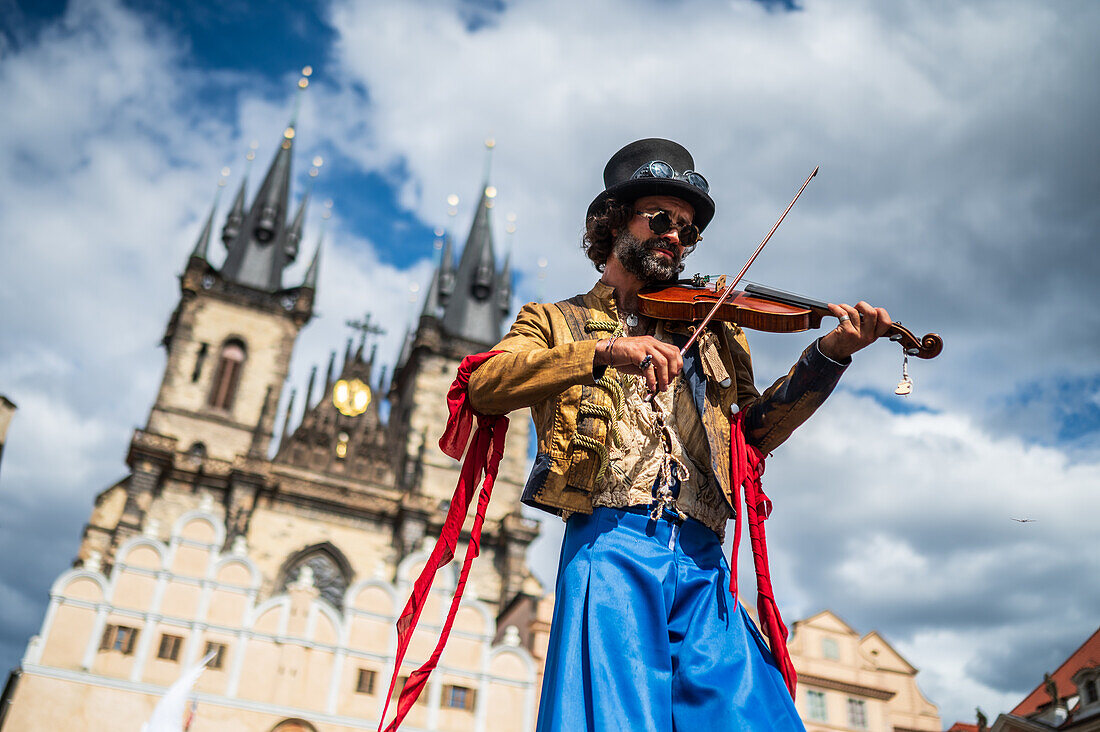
<point>927,347</point>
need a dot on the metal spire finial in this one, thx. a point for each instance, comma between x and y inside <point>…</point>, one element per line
<point>490,143</point>
<point>223,174</point>
<point>303,83</point>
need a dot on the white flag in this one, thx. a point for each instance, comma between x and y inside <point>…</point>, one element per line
<point>168,716</point>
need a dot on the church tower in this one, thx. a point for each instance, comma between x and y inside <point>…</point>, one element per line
<point>287,565</point>
<point>228,345</point>
<point>465,311</point>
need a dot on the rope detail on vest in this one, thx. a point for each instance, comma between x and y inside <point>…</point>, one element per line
<point>590,408</point>
<point>587,443</point>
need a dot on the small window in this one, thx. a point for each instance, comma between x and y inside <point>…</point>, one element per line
<point>458,697</point>
<point>816,703</point>
<point>219,650</point>
<point>365,682</point>
<point>830,649</point>
<point>119,638</point>
<point>228,375</point>
<point>1090,691</point>
<point>857,713</point>
<point>170,647</point>
<point>199,360</point>
<point>400,686</point>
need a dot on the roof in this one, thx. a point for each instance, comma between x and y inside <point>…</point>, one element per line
<point>1087,655</point>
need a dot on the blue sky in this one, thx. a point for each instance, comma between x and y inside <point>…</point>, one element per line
<point>959,188</point>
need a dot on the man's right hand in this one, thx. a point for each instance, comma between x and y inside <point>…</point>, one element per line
<point>628,353</point>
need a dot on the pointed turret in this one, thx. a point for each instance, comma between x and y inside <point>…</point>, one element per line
<point>259,432</point>
<point>504,286</point>
<point>262,245</point>
<point>444,274</point>
<point>294,233</point>
<point>286,421</point>
<point>309,392</point>
<point>330,374</point>
<point>232,228</point>
<point>471,312</point>
<point>310,279</point>
<point>446,271</point>
<point>257,254</point>
<point>202,245</point>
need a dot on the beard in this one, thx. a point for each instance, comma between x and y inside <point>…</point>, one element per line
<point>640,258</point>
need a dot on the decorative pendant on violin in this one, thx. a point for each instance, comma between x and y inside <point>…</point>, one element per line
<point>759,308</point>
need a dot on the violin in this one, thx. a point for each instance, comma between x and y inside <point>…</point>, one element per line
<point>758,308</point>
<point>762,308</point>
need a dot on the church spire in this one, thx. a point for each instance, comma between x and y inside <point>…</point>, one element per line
<point>471,312</point>
<point>504,286</point>
<point>294,233</point>
<point>258,252</point>
<point>312,273</point>
<point>202,245</point>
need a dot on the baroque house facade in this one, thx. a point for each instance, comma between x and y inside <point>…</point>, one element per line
<point>291,570</point>
<point>852,682</point>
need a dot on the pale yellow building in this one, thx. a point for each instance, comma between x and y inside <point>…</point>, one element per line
<point>852,682</point>
<point>111,642</point>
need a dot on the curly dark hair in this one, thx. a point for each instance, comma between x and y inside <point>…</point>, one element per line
<point>598,240</point>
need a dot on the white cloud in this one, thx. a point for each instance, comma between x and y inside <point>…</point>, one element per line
<point>933,127</point>
<point>903,524</point>
<point>958,175</point>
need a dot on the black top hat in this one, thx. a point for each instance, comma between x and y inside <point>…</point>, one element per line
<point>619,183</point>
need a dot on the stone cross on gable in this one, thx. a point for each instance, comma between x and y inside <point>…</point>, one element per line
<point>365,328</point>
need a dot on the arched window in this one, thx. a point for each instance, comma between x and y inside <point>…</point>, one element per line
<point>294,725</point>
<point>331,571</point>
<point>228,375</point>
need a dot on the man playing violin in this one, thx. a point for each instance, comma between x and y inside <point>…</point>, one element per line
<point>634,452</point>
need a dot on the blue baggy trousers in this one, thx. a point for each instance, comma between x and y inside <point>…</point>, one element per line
<point>646,635</point>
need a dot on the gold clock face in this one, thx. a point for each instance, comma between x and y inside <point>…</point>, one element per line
<point>351,397</point>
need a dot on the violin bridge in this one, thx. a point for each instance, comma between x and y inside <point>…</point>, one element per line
<point>720,284</point>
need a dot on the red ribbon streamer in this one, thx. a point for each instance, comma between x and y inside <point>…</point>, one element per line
<point>483,456</point>
<point>746,467</point>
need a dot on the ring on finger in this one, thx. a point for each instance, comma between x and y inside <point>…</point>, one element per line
<point>646,362</point>
<point>844,318</point>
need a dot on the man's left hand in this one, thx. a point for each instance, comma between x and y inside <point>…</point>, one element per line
<point>858,328</point>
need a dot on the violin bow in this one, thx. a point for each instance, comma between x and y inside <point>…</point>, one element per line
<point>733,284</point>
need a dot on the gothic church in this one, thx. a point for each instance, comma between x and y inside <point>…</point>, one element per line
<point>289,571</point>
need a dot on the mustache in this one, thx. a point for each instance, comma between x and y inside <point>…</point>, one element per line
<point>656,242</point>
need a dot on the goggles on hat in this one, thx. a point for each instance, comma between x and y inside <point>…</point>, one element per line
<point>661,169</point>
<point>660,223</point>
